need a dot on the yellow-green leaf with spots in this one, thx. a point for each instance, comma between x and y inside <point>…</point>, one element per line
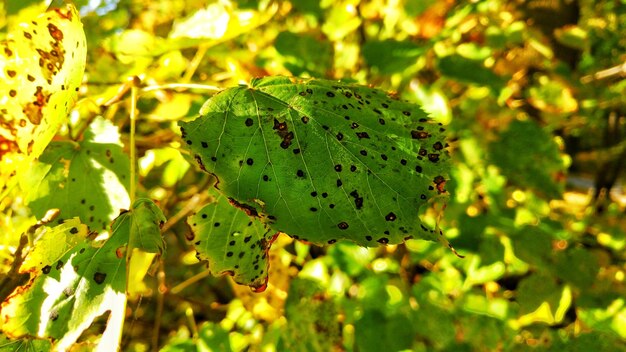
<point>42,62</point>
<point>71,288</point>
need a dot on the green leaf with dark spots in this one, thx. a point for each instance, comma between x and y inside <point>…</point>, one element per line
<point>88,179</point>
<point>321,160</point>
<point>232,242</point>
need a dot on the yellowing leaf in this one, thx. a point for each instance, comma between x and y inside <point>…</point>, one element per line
<point>53,244</point>
<point>41,67</point>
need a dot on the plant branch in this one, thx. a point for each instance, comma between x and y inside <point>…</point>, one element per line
<point>606,73</point>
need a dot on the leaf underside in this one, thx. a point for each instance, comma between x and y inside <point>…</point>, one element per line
<point>321,160</point>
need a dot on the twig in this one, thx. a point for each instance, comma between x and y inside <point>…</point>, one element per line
<point>603,74</point>
<point>173,86</point>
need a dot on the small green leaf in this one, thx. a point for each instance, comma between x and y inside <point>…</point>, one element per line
<point>304,53</point>
<point>391,56</point>
<point>88,179</point>
<point>528,156</point>
<point>322,160</point>
<point>143,224</point>
<point>232,242</point>
<point>62,300</point>
<point>469,71</point>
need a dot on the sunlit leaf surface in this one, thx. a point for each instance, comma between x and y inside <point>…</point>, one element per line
<point>321,160</point>
<point>88,179</point>
<point>84,283</point>
<point>41,67</point>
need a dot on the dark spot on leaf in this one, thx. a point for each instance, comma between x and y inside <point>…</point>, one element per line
<point>390,217</point>
<point>249,122</point>
<point>422,152</point>
<point>343,225</point>
<point>330,94</point>
<point>418,169</point>
<point>73,230</point>
<point>358,201</point>
<point>296,151</point>
<point>363,152</point>
<point>247,239</point>
<point>99,277</point>
<point>438,146</point>
<point>406,113</point>
<point>403,161</point>
<point>383,240</point>
<point>204,144</point>
<point>354,125</point>
<point>313,194</point>
<point>54,315</point>
<point>300,173</point>
<point>229,254</point>
<point>423,196</point>
<point>362,135</point>
<point>383,156</point>
<point>338,167</point>
<point>352,168</point>
<point>369,238</point>
<point>339,136</point>
<point>419,134</point>
<point>313,209</point>
<point>433,157</point>
<point>59,265</point>
<point>305,119</point>
<point>46,269</point>
<point>331,241</point>
<point>339,183</point>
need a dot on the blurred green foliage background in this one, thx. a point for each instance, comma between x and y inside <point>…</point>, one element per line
<point>534,96</point>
